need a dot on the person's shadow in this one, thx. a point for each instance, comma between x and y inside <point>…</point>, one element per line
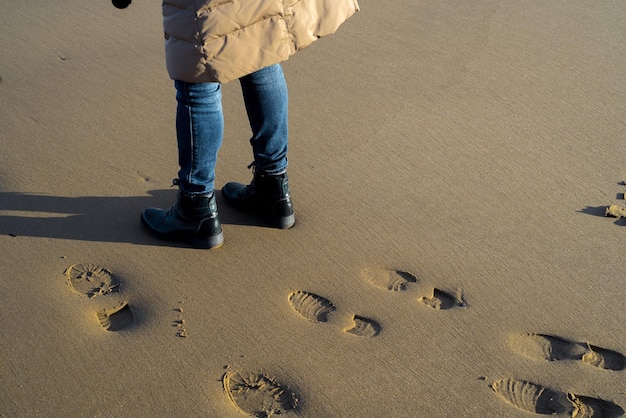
<point>94,218</point>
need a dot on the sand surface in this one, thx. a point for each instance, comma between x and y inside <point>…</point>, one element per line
<point>450,164</point>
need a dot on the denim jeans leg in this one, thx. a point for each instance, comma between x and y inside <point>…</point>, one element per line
<point>199,132</point>
<point>266,99</point>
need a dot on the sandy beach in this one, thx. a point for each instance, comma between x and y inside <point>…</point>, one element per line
<point>450,165</point>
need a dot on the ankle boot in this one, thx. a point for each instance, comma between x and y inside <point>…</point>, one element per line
<point>267,195</point>
<point>192,219</point>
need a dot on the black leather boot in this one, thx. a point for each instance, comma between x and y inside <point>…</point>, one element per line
<point>192,219</point>
<point>267,195</point>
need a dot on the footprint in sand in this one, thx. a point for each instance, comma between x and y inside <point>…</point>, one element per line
<point>395,280</point>
<point>538,399</point>
<point>115,318</point>
<point>398,280</point>
<point>317,309</point>
<point>311,306</point>
<point>442,300</point>
<point>258,394</point>
<point>551,348</point>
<point>363,327</point>
<point>90,280</point>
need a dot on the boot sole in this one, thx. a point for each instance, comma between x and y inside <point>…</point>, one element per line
<point>208,243</point>
<point>284,222</point>
<point>196,241</point>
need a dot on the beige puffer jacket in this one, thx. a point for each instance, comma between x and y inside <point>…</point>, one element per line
<point>222,40</point>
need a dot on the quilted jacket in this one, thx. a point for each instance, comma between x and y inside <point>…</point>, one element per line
<point>222,40</point>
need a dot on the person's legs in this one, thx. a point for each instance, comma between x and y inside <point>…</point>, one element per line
<point>266,99</point>
<point>265,96</point>
<point>199,131</point>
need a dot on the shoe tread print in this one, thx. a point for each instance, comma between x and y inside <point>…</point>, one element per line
<point>363,327</point>
<point>115,318</point>
<point>311,306</point>
<point>317,308</point>
<point>398,280</point>
<point>92,281</point>
<point>389,279</point>
<point>443,300</point>
<point>258,394</point>
<point>553,348</point>
<point>538,399</point>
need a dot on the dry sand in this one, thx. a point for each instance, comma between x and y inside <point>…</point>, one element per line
<point>450,163</point>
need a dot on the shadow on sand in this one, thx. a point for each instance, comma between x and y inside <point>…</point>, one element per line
<point>601,211</point>
<point>94,218</point>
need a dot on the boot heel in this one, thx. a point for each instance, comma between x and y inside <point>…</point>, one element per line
<point>285,222</point>
<point>208,242</point>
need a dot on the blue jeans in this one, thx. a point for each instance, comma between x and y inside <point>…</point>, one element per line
<point>200,127</point>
